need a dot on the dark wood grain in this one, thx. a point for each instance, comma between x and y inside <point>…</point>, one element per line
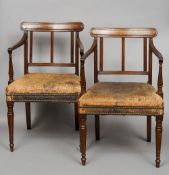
<point>148,128</point>
<point>99,34</point>
<point>77,55</point>
<point>159,128</point>
<point>72,46</point>
<point>28,114</point>
<point>101,53</point>
<point>145,54</point>
<point>11,71</point>
<point>95,65</point>
<point>82,67</point>
<point>26,57</point>
<point>19,43</point>
<point>76,116</point>
<point>83,133</point>
<point>123,72</point>
<point>31,47</point>
<point>123,32</point>
<point>52,64</point>
<point>52,47</point>
<point>11,125</point>
<point>50,28</point>
<point>123,54</point>
<point>97,127</point>
<point>160,73</point>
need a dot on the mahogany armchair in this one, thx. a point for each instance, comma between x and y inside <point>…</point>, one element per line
<point>122,98</point>
<point>44,87</point>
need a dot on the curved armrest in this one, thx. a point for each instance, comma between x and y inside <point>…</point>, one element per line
<point>80,46</point>
<point>155,51</point>
<point>19,43</point>
<point>82,68</point>
<point>87,53</point>
<point>160,74</point>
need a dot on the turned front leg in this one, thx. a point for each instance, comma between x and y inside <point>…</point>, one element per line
<point>83,138</point>
<point>11,124</point>
<point>159,120</point>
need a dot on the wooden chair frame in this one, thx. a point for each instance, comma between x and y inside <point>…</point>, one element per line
<point>76,45</point>
<point>99,34</point>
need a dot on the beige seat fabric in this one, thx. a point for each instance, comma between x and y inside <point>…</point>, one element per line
<point>44,83</point>
<point>124,95</point>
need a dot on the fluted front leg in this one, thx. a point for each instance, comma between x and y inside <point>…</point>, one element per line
<point>11,124</point>
<point>159,120</point>
<point>83,138</point>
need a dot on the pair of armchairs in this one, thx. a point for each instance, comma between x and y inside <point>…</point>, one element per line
<point>103,98</point>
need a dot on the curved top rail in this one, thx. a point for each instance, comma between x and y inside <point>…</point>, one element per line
<point>49,27</point>
<point>123,32</point>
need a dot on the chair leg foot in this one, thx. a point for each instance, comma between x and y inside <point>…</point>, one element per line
<point>76,117</point>
<point>83,138</point>
<point>83,160</point>
<point>28,115</point>
<point>97,127</point>
<point>10,115</point>
<point>157,164</point>
<point>159,120</point>
<point>11,147</point>
<point>148,128</point>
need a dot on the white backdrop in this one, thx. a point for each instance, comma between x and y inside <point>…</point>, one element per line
<point>93,13</point>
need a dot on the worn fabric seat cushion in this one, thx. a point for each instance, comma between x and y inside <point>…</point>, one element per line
<point>121,97</point>
<point>44,84</point>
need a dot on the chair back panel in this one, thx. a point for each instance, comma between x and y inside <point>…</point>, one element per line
<point>72,27</point>
<point>144,33</point>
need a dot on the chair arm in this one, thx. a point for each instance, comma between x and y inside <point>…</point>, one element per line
<point>160,74</point>
<point>80,45</point>
<point>18,44</point>
<point>155,51</point>
<point>82,68</point>
<point>87,53</point>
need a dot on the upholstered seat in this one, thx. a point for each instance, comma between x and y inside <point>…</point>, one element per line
<point>121,98</point>
<point>134,98</point>
<point>44,84</point>
<point>45,87</point>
